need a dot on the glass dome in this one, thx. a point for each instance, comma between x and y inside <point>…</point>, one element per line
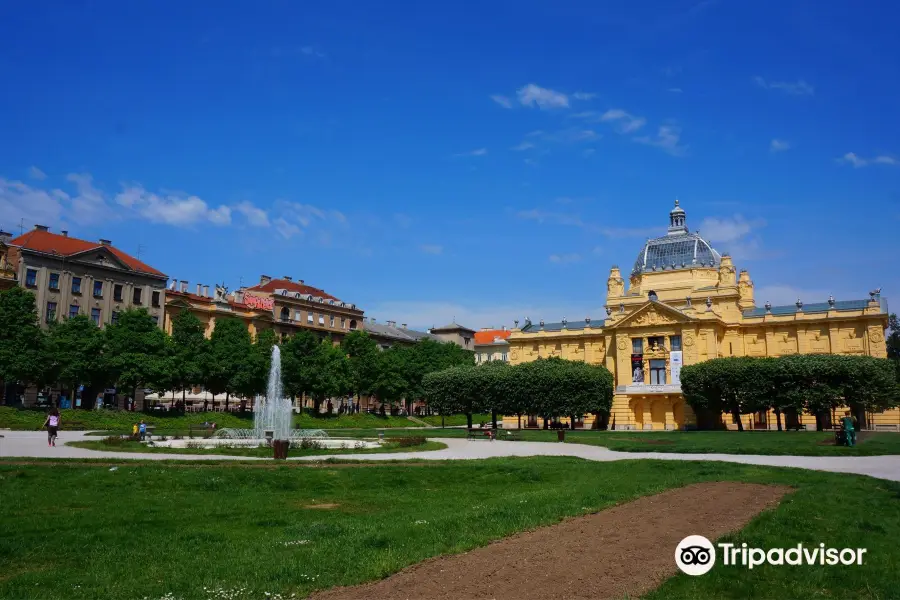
<point>678,249</point>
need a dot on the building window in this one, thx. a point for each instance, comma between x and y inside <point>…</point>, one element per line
<point>285,314</point>
<point>466,342</point>
<point>31,278</point>
<point>114,318</point>
<point>343,323</point>
<point>331,321</point>
<point>658,342</point>
<point>117,292</point>
<point>76,285</point>
<point>298,316</point>
<point>95,316</point>
<point>98,289</point>
<point>155,299</point>
<point>321,319</point>
<point>136,297</point>
<point>504,358</point>
<point>54,281</point>
<point>352,324</point>
<point>657,372</point>
<point>675,342</point>
<point>637,345</point>
<point>51,312</point>
<point>309,318</point>
<point>73,311</point>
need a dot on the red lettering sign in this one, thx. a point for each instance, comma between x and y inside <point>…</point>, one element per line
<point>258,302</point>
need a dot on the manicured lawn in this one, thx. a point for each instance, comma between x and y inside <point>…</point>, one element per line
<point>264,452</point>
<point>799,443</point>
<point>458,420</point>
<point>77,531</point>
<point>122,421</point>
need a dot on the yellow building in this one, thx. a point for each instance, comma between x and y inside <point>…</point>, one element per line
<point>685,303</point>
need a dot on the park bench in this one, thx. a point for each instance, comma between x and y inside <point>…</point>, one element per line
<point>480,434</point>
<point>206,429</point>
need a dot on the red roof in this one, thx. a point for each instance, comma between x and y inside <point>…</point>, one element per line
<point>487,337</point>
<point>52,243</point>
<point>202,299</point>
<point>291,286</point>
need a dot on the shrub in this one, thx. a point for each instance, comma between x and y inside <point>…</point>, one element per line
<point>195,445</point>
<point>309,444</point>
<point>410,441</point>
<point>113,440</point>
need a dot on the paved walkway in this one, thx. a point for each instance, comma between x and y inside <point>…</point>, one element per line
<point>34,444</point>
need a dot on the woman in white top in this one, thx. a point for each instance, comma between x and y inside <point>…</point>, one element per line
<point>52,425</point>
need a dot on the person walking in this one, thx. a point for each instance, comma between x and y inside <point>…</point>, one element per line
<point>849,429</point>
<point>52,425</point>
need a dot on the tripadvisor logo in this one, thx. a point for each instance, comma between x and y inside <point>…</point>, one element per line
<point>696,555</point>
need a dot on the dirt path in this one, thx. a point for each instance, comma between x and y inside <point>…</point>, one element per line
<point>620,552</point>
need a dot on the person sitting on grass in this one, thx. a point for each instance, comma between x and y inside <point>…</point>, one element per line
<point>849,429</point>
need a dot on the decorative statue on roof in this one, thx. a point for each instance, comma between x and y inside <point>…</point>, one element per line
<point>221,293</point>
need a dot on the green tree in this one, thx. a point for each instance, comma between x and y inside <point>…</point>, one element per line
<point>23,355</point>
<point>330,373</point>
<point>189,351</point>
<point>135,348</point>
<point>454,390</point>
<point>297,363</point>
<point>391,385</point>
<point>76,355</point>
<point>893,338</point>
<point>230,348</point>
<point>362,356</point>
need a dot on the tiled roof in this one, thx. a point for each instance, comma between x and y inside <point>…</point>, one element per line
<point>453,327</point>
<point>487,337</point>
<point>818,307</point>
<point>570,326</point>
<point>292,286</point>
<point>45,242</point>
<point>396,333</point>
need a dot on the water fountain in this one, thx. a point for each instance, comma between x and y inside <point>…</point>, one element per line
<point>272,418</point>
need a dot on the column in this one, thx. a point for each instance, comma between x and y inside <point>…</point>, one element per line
<point>647,407</point>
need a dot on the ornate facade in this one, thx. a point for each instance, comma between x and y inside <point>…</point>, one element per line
<point>686,303</point>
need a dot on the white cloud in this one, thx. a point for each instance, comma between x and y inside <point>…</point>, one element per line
<point>886,160</point>
<point>476,152</point>
<point>857,161</point>
<point>543,98</point>
<point>21,203</point>
<point>852,159</point>
<point>502,101</point>
<point>667,139</point>
<point>522,146</point>
<point>89,205</point>
<point>624,121</point>
<point>779,145</point>
<point>431,249</point>
<point>564,259</point>
<point>286,229</point>
<point>172,209</point>
<point>36,173</point>
<point>542,216</point>
<point>728,229</point>
<point>255,216</point>
<point>785,294</point>
<point>584,96</point>
<point>424,314</point>
<point>795,88</point>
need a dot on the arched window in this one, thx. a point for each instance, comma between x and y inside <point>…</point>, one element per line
<point>352,324</point>
<point>285,314</point>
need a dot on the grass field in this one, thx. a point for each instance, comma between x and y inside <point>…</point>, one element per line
<point>121,421</point>
<point>147,530</point>
<point>798,443</point>
<point>262,452</point>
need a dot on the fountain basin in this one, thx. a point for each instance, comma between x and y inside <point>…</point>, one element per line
<point>326,443</point>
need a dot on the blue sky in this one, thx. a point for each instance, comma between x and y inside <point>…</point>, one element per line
<point>483,161</point>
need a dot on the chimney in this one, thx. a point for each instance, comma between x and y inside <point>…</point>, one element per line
<point>371,319</point>
<point>184,286</point>
<point>107,243</point>
<point>41,228</point>
<point>403,325</point>
<point>287,278</point>
<point>301,281</point>
<point>391,323</point>
<point>5,236</point>
<point>264,279</point>
<point>205,291</point>
<point>199,289</point>
<point>173,285</point>
<point>64,233</point>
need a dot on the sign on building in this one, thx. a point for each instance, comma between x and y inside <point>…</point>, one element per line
<point>258,302</point>
<point>675,362</point>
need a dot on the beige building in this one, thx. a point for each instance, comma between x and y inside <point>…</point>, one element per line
<point>456,333</point>
<point>7,270</point>
<point>491,345</point>
<point>70,276</point>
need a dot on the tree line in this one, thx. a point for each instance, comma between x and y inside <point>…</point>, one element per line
<point>134,353</point>
<point>549,387</point>
<point>818,384</point>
